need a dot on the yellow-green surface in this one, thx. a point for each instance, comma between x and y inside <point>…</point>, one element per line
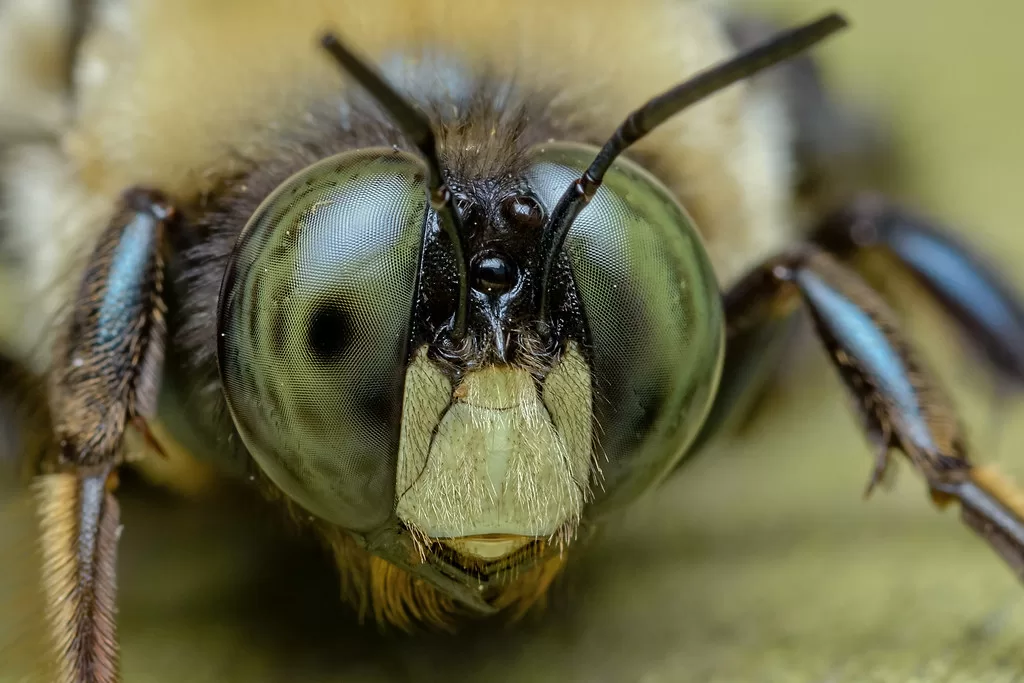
<point>759,562</point>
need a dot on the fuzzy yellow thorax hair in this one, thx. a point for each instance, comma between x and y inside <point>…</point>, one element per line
<point>171,93</point>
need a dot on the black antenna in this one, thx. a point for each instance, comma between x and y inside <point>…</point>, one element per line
<point>416,126</point>
<point>656,111</point>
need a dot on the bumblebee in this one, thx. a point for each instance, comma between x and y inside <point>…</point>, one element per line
<point>445,303</point>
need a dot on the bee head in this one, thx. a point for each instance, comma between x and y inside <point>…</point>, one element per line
<point>482,355</point>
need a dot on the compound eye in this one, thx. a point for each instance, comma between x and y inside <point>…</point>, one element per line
<point>314,318</point>
<point>652,309</point>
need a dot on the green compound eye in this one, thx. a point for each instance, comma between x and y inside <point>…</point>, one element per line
<point>653,311</point>
<point>315,315</point>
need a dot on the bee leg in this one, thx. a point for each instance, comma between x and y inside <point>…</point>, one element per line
<point>80,525</point>
<point>149,439</point>
<point>105,376</point>
<point>984,306</point>
<point>898,398</point>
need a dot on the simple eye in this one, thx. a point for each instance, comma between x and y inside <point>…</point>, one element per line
<point>315,315</point>
<point>653,312</point>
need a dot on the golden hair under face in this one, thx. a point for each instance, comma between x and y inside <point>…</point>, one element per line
<point>396,597</point>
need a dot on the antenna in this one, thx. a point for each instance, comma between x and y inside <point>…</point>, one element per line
<point>658,110</point>
<point>416,126</point>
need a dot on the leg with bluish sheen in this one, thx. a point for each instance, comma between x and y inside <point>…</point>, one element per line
<point>984,306</point>
<point>901,404</point>
<point>105,377</point>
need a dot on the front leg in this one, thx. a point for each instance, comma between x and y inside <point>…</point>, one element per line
<point>984,307</point>
<point>104,377</point>
<point>900,401</point>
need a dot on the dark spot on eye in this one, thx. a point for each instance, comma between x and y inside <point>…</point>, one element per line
<point>493,273</point>
<point>378,408</point>
<point>377,411</point>
<point>522,212</point>
<point>328,331</point>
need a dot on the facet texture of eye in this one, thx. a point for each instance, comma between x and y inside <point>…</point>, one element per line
<point>653,313</point>
<point>315,315</point>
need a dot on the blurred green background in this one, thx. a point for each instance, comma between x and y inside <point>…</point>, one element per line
<point>760,561</point>
<point>947,71</point>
